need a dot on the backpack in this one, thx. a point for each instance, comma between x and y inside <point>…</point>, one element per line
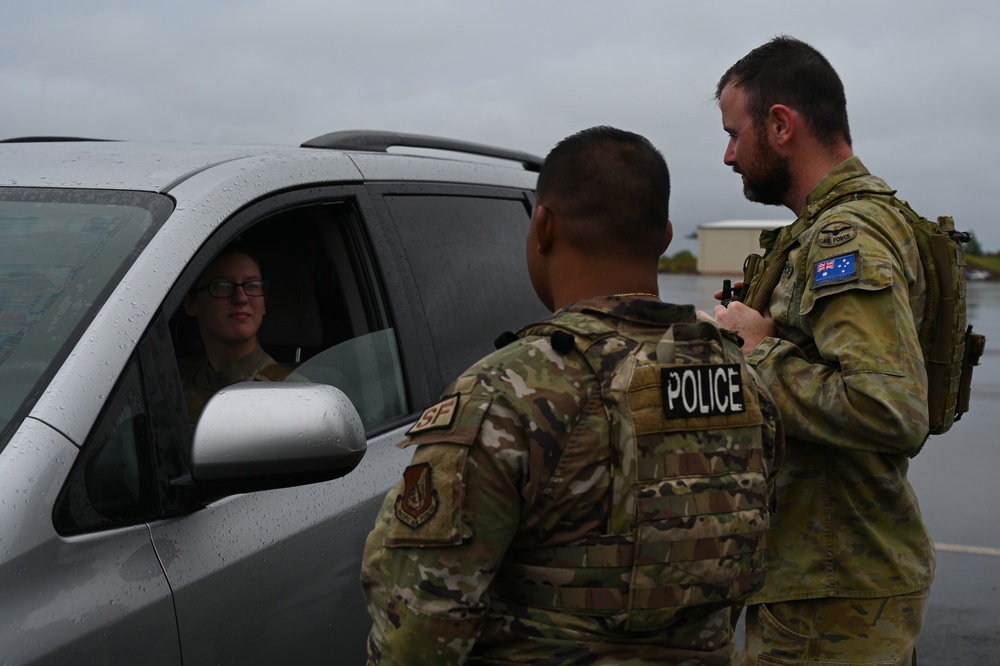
<point>950,347</point>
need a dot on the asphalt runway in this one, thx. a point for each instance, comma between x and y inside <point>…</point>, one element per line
<point>955,477</point>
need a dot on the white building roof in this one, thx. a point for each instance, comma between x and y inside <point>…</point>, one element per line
<point>745,224</point>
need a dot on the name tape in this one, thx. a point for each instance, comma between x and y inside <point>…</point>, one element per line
<point>702,390</point>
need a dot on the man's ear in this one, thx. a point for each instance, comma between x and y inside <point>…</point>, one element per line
<point>189,308</point>
<point>781,123</point>
<point>667,237</point>
<point>545,223</point>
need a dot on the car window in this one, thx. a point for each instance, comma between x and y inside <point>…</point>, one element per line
<point>365,368</point>
<point>324,318</point>
<point>112,482</point>
<point>60,255</point>
<point>473,284</point>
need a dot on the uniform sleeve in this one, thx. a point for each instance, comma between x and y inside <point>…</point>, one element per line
<point>862,383</point>
<point>444,529</point>
<point>428,598</point>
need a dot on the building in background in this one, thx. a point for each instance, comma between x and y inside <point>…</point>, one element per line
<point>723,246</point>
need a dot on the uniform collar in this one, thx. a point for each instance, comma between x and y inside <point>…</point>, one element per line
<point>242,370</point>
<point>846,170</point>
<point>637,310</point>
<point>848,177</point>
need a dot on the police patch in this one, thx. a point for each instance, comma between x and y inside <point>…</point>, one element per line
<point>836,233</point>
<point>702,390</point>
<point>437,417</point>
<point>419,501</point>
<point>836,270</point>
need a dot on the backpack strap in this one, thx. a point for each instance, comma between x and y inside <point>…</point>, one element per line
<point>762,274</point>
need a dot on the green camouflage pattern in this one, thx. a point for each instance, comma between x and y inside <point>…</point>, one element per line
<point>545,519</point>
<point>836,631</point>
<point>847,373</point>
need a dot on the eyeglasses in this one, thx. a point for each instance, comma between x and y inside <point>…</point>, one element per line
<point>227,289</point>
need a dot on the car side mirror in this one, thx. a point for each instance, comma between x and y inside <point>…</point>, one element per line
<point>264,435</point>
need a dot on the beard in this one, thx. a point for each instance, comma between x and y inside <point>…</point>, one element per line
<point>768,177</point>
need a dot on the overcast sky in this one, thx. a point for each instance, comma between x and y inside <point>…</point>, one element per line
<point>922,80</point>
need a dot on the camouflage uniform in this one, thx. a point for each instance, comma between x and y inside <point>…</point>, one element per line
<point>847,373</point>
<point>556,511</point>
<point>201,382</point>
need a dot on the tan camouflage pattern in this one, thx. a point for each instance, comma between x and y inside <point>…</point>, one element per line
<point>201,382</point>
<point>544,541</point>
<point>836,631</point>
<point>847,374</point>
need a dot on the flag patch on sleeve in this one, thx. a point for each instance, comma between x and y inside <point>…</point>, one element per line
<point>836,269</point>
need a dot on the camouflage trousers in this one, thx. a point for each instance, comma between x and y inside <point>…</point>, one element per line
<point>876,632</point>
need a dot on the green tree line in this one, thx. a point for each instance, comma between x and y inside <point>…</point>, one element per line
<point>685,262</point>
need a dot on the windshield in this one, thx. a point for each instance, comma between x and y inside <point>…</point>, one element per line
<point>61,254</point>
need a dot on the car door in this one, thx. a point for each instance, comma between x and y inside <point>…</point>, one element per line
<point>423,278</point>
<point>272,576</point>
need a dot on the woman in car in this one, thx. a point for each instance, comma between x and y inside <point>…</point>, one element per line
<point>228,304</point>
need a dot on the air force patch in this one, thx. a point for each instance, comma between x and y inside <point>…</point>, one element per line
<point>836,233</point>
<point>836,270</point>
<point>419,499</point>
<point>702,390</point>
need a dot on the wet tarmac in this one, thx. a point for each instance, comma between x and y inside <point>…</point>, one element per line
<point>956,480</point>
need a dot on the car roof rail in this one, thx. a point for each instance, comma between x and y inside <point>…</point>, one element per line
<point>369,140</point>
<point>47,139</point>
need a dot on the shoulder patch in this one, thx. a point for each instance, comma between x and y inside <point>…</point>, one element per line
<point>702,390</point>
<point>836,270</point>
<point>836,233</point>
<point>437,417</point>
<point>419,500</point>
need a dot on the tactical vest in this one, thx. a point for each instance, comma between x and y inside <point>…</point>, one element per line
<point>949,346</point>
<point>688,507</point>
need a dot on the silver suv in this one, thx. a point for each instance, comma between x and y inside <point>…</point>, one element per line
<point>126,535</point>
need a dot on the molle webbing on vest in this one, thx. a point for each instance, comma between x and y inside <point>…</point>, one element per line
<point>607,592</point>
<point>687,524</point>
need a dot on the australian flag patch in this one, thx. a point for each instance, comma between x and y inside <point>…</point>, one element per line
<point>836,269</point>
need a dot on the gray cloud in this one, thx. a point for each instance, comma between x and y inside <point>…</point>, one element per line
<point>920,77</point>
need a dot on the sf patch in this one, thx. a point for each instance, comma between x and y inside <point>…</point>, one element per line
<point>419,500</point>
<point>691,391</point>
<point>836,270</point>
<point>437,417</point>
<point>836,233</point>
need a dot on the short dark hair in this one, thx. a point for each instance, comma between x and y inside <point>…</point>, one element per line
<point>235,247</point>
<point>788,71</point>
<point>612,188</point>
